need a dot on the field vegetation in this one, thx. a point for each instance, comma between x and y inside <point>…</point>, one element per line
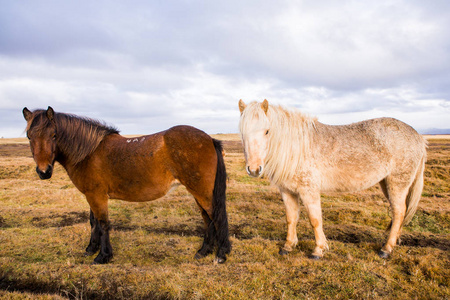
<point>44,230</point>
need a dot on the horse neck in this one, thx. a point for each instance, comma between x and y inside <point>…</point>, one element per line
<point>65,159</point>
<point>75,145</point>
<point>290,146</point>
<point>294,129</point>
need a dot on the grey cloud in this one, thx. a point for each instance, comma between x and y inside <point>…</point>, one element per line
<point>162,63</point>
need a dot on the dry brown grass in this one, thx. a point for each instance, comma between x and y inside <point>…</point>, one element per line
<point>44,230</point>
<point>437,136</point>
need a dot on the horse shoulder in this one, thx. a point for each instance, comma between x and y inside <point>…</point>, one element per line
<point>307,179</point>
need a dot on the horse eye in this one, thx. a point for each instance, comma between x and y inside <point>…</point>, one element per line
<point>267,132</point>
<point>54,136</point>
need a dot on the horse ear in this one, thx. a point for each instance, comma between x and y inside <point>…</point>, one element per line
<point>265,106</point>
<point>50,113</point>
<point>242,106</point>
<point>27,114</point>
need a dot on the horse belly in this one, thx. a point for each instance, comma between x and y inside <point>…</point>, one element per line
<point>352,180</point>
<point>140,189</point>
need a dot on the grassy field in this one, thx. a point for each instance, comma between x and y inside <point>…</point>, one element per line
<point>44,230</point>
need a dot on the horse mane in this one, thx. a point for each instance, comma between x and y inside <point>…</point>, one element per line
<point>76,137</point>
<point>290,137</point>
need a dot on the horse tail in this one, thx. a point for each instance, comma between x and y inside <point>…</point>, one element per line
<point>415,192</point>
<point>220,218</point>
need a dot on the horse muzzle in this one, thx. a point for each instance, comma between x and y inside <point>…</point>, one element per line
<point>255,173</point>
<point>45,174</point>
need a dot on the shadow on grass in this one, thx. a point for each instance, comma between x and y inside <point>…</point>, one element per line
<point>343,233</point>
<point>71,291</point>
<point>60,220</point>
<point>358,234</point>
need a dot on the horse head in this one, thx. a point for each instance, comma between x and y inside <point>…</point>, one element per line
<point>255,132</point>
<point>41,132</point>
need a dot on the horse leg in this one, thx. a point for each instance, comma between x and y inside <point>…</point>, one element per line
<point>397,199</point>
<point>384,188</point>
<point>292,215</point>
<point>94,243</point>
<point>99,207</point>
<point>212,230</point>
<point>209,236</point>
<point>314,210</point>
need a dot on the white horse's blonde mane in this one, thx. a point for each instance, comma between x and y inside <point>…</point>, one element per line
<point>290,134</point>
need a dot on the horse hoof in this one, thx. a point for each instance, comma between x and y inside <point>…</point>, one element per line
<point>88,253</point>
<point>283,252</point>
<point>220,260</point>
<point>100,259</point>
<point>102,262</point>
<point>315,257</point>
<point>384,254</point>
<point>198,255</point>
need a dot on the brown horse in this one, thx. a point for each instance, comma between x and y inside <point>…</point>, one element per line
<point>304,157</point>
<point>102,164</point>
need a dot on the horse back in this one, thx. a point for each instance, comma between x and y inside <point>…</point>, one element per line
<point>383,138</point>
<point>356,156</point>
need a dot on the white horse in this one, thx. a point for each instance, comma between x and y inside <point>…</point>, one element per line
<point>304,157</point>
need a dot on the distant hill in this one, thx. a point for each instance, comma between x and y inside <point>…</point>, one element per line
<point>435,131</point>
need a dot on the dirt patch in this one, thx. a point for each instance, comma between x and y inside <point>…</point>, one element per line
<point>233,146</point>
<point>353,234</point>
<point>422,240</point>
<point>15,150</point>
<point>180,229</point>
<point>240,231</point>
<point>357,234</point>
<point>60,220</point>
<point>69,291</point>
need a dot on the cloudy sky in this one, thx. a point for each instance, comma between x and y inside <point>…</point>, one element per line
<point>144,66</point>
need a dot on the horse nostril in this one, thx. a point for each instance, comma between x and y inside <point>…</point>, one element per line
<point>49,169</point>
<point>45,174</point>
<point>255,173</point>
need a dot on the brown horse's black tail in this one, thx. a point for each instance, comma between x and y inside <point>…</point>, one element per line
<point>220,218</point>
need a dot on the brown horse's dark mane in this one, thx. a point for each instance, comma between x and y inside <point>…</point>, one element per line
<point>76,137</point>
